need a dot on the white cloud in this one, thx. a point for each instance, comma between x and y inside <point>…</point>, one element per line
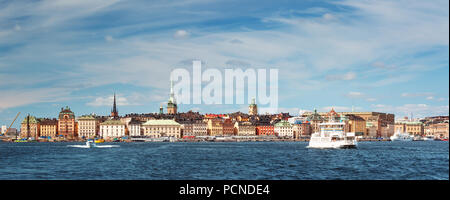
<point>355,94</point>
<point>371,99</point>
<point>17,27</point>
<point>108,101</point>
<point>347,76</point>
<point>328,16</point>
<point>181,34</point>
<point>109,38</point>
<point>417,94</point>
<point>418,110</point>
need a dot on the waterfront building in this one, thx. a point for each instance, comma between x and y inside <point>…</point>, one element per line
<point>244,129</point>
<point>162,127</point>
<point>215,126</point>
<point>30,127</point>
<point>187,128</point>
<point>134,128</point>
<point>381,123</point>
<point>66,124</point>
<point>439,130</point>
<point>112,128</point>
<point>315,119</point>
<point>265,129</point>
<point>301,129</point>
<point>413,128</point>
<point>228,127</point>
<point>199,128</point>
<point>88,126</point>
<point>284,129</point>
<point>171,104</point>
<point>253,108</point>
<point>48,128</point>
<point>355,124</point>
<point>4,129</point>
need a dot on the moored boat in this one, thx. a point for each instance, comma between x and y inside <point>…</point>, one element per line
<point>399,136</point>
<point>332,135</point>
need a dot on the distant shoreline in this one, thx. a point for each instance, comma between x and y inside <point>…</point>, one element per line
<point>197,140</point>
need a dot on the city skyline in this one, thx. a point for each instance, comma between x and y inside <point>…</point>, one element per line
<point>376,56</point>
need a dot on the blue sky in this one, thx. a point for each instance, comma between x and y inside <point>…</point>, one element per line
<point>387,56</point>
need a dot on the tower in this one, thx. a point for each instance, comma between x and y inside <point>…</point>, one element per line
<point>171,104</point>
<point>161,109</point>
<point>114,112</point>
<point>253,108</point>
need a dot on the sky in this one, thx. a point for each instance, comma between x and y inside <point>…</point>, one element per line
<point>383,56</point>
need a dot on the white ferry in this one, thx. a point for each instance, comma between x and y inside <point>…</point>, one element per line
<point>332,135</point>
<point>398,136</point>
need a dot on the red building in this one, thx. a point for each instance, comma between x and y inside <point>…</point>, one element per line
<point>66,124</point>
<point>265,129</point>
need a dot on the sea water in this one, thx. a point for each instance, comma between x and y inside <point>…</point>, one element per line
<point>221,160</point>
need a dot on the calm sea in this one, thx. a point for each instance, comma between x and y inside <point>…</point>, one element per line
<point>238,160</point>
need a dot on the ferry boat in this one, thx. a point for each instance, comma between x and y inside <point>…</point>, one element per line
<point>332,135</point>
<point>398,136</point>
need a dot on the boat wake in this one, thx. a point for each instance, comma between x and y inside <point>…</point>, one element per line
<point>93,145</point>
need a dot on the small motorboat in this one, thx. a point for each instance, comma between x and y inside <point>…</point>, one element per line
<point>90,144</point>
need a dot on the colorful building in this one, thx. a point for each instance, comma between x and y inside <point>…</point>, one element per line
<point>265,129</point>
<point>413,128</point>
<point>66,124</point>
<point>215,126</point>
<point>48,128</point>
<point>30,127</point>
<point>244,129</point>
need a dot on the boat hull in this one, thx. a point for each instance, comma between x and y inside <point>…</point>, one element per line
<point>333,144</point>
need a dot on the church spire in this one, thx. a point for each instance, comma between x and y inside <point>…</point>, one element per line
<point>114,112</point>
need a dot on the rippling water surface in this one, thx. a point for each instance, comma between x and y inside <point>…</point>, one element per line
<point>239,160</point>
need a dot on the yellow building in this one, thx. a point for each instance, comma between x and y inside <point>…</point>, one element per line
<point>414,128</point>
<point>215,126</point>
<point>439,130</point>
<point>356,125</point>
<point>49,128</point>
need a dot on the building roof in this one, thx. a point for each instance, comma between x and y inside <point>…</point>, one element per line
<point>33,120</point>
<point>315,116</point>
<point>87,117</point>
<point>66,111</point>
<point>282,123</point>
<point>112,122</point>
<point>48,122</point>
<point>160,122</point>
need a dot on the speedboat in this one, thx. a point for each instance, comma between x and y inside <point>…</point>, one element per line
<point>428,138</point>
<point>398,136</point>
<point>332,135</point>
<point>90,144</point>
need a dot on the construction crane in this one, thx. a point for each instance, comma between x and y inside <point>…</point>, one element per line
<point>12,123</point>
